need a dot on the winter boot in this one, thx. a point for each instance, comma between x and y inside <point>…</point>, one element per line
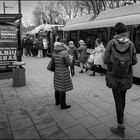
<point>119,130</point>
<point>81,71</point>
<point>63,101</point>
<point>57,98</point>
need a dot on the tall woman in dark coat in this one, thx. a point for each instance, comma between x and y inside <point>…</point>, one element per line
<point>62,79</point>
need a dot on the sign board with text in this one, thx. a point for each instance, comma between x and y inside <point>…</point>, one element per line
<point>8,46</point>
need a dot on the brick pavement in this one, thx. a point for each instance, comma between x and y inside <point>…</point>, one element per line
<point>29,112</point>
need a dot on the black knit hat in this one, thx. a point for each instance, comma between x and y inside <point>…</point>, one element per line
<point>120,28</point>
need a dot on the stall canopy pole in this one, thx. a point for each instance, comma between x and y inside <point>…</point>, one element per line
<point>4,7</point>
<point>19,49</point>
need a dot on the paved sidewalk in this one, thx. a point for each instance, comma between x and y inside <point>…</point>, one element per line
<point>29,112</point>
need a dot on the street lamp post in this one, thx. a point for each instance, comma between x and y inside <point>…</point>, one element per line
<point>19,34</point>
<point>4,7</point>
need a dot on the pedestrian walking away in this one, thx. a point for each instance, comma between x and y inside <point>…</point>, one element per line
<point>73,56</point>
<point>82,55</point>
<point>120,55</point>
<point>23,46</point>
<point>28,45</point>
<point>62,79</point>
<point>45,47</point>
<point>39,45</point>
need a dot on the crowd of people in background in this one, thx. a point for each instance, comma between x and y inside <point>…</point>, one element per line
<point>36,47</point>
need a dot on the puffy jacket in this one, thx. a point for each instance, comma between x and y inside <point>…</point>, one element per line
<point>99,52</point>
<point>73,51</point>
<point>83,53</point>
<point>111,81</point>
<point>38,43</point>
<point>62,79</point>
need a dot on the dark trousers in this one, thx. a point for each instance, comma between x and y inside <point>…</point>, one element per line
<point>72,69</point>
<point>57,97</point>
<point>119,98</point>
<point>35,52</point>
<point>28,51</point>
<point>44,52</point>
<point>99,67</point>
<point>60,98</point>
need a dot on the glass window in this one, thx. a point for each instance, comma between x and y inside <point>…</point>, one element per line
<point>73,36</point>
<point>88,37</point>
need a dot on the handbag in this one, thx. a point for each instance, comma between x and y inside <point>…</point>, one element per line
<point>51,65</point>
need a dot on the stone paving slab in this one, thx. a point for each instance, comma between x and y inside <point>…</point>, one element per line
<point>77,132</point>
<point>29,112</point>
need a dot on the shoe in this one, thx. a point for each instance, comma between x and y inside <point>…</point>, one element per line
<point>86,70</point>
<point>118,131</point>
<point>65,107</point>
<point>92,74</point>
<point>81,71</point>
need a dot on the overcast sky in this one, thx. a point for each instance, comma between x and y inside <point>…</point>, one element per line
<point>27,8</point>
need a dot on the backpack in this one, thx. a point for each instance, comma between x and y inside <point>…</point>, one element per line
<point>121,62</point>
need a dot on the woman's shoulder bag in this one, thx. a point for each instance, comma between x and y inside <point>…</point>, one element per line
<point>51,65</point>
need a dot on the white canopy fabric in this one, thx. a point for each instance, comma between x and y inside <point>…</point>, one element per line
<point>45,27</point>
<point>36,30</point>
<point>128,15</point>
<point>128,20</point>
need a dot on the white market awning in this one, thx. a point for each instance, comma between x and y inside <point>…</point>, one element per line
<point>128,15</point>
<point>128,20</point>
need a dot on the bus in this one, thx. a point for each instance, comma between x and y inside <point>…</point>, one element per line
<point>103,27</point>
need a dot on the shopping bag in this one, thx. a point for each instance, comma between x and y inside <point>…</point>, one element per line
<point>88,65</point>
<point>51,65</point>
<point>91,58</point>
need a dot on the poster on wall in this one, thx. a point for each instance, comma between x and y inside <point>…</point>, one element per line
<point>8,46</point>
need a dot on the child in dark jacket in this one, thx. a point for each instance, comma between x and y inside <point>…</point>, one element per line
<point>73,56</point>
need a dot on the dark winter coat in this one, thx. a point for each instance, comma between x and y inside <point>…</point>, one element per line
<point>62,79</point>
<point>38,43</point>
<point>28,43</point>
<point>114,82</point>
<point>83,53</point>
<point>73,52</point>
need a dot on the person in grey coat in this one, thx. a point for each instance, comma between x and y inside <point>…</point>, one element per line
<point>62,79</point>
<point>119,82</point>
<point>82,55</point>
<point>73,53</point>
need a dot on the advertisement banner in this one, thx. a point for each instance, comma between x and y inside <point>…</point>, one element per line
<point>8,46</point>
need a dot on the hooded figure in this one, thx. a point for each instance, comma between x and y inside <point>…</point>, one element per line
<point>62,79</point>
<point>119,84</point>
